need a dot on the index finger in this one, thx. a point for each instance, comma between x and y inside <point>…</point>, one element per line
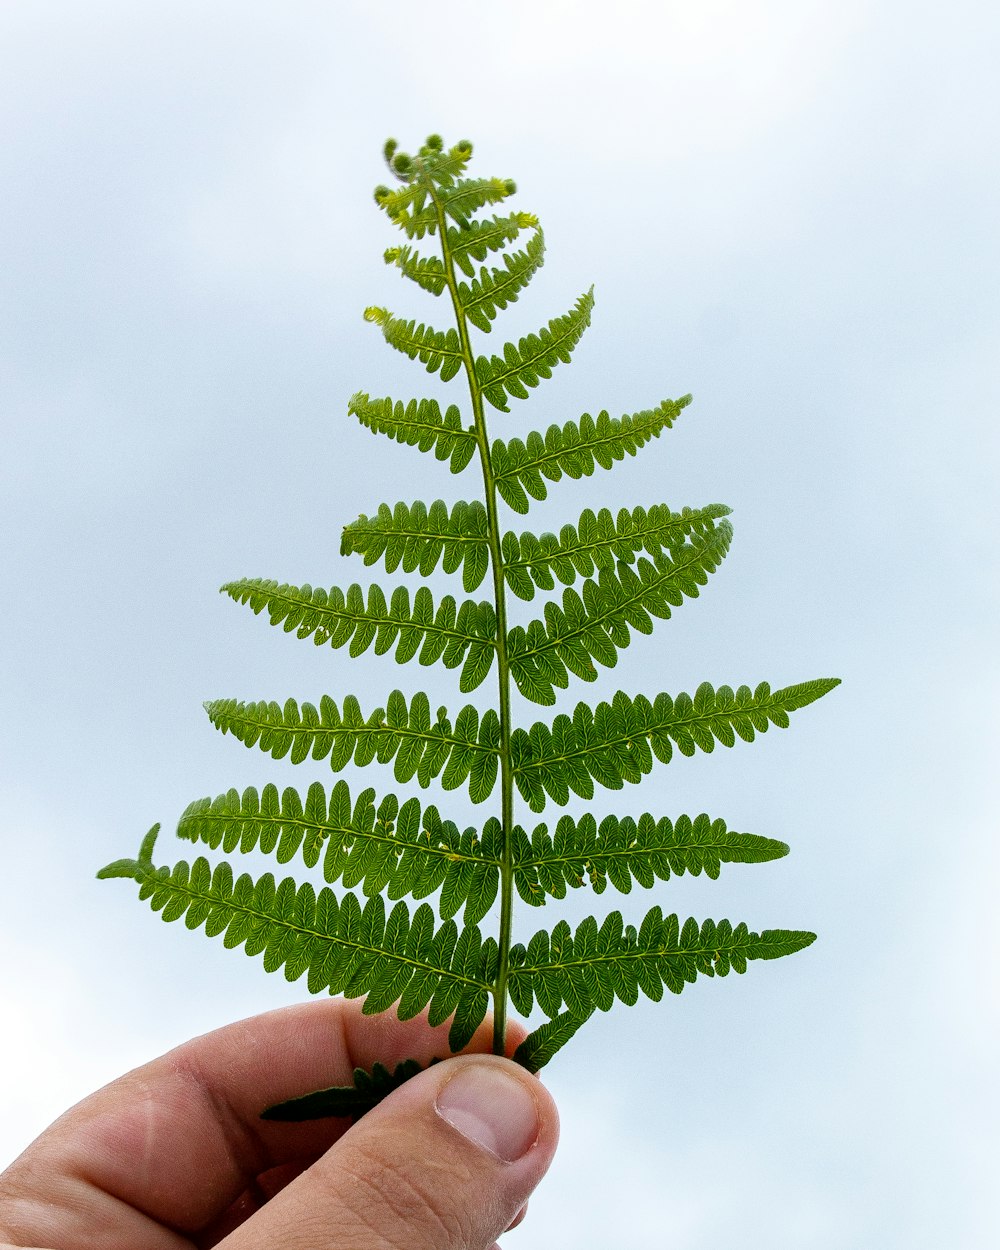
<point>177,1142</point>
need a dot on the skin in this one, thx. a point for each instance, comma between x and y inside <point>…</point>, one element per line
<point>174,1156</point>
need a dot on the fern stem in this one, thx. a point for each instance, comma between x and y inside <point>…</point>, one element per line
<point>503,665</point>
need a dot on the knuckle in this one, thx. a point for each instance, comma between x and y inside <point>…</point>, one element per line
<point>399,1208</point>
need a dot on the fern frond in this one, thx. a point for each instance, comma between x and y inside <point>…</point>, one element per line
<point>454,634</point>
<point>634,567</point>
<point>468,195</point>
<point>418,537</point>
<point>620,850</point>
<point>598,541</point>
<point>534,357</point>
<point>342,946</point>
<point>592,627</point>
<point>418,423</point>
<point>406,207</point>
<point>541,1045</point>
<point>415,208</point>
<point>400,733</point>
<point>494,289</point>
<point>483,237</point>
<point>520,468</point>
<point>435,349</point>
<point>594,966</point>
<point>387,846</point>
<point>347,1101</point>
<point>617,742</point>
<point>426,271</point>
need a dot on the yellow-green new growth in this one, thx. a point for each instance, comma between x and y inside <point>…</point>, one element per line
<point>618,574</point>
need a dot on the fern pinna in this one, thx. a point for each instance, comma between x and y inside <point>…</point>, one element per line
<point>617,573</point>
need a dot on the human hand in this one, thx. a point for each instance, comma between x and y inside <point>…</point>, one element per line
<point>174,1156</point>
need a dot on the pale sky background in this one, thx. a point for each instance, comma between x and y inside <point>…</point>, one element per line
<point>789,209</point>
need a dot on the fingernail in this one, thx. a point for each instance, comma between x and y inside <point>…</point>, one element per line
<point>491,1108</point>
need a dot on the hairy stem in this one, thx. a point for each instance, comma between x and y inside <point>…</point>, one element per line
<point>503,665</point>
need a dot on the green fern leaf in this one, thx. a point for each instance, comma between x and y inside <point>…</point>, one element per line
<point>401,733</point>
<point>591,968</point>
<point>347,1101</point>
<point>436,350</point>
<point>483,237</point>
<point>385,847</point>
<point>426,271</point>
<point>445,632</point>
<point>620,850</point>
<point>495,289</point>
<point>343,947</point>
<point>357,933</point>
<point>592,627</point>
<point>418,537</point>
<point>419,210</point>
<point>617,742</point>
<point>540,1046</point>
<point>407,207</point>
<point>419,423</point>
<point>534,357</point>
<point>465,197</point>
<point>599,541</point>
<point>521,468</point>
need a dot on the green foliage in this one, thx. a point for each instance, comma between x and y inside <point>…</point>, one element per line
<point>616,576</point>
<point>597,542</point>
<point>347,1101</point>
<point>420,423</point>
<point>534,357</point>
<point>593,626</point>
<point>454,634</point>
<point>431,347</point>
<point>594,966</point>
<point>418,537</point>
<point>494,289</point>
<point>620,850</point>
<point>386,847</point>
<point>520,468</point>
<point>402,733</point>
<point>342,945</point>
<point>617,742</point>
<point>540,1046</point>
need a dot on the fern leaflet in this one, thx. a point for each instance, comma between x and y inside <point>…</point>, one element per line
<point>418,537</point>
<point>389,847</point>
<point>419,423</point>
<point>483,237</point>
<point>619,851</point>
<point>617,742</point>
<point>594,966</point>
<point>593,626</point>
<point>400,733</point>
<point>494,289</point>
<point>342,946</point>
<point>534,357</point>
<point>454,634</point>
<point>436,350</point>
<point>520,468</point>
<point>598,541</point>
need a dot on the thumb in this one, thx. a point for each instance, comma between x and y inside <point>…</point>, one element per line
<point>446,1162</point>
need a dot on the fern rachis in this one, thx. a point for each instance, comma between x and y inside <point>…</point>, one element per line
<point>608,577</point>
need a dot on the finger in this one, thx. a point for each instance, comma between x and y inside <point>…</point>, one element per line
<point>518,1219</point>
<point>179,1142</point>
<point>445,1163</point>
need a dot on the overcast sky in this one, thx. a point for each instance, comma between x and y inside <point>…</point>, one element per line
<point>788,209</point>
